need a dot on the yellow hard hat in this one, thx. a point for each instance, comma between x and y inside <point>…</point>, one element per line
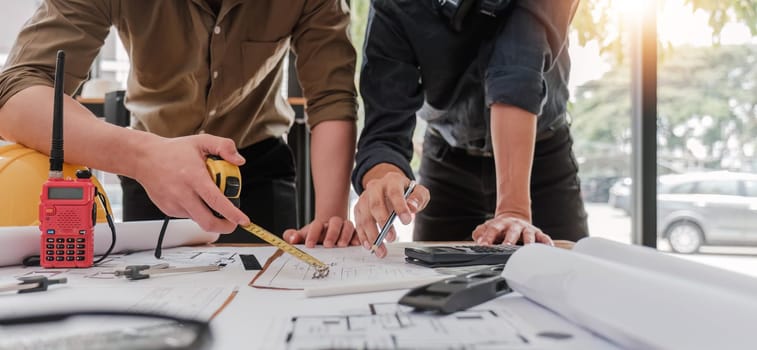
<point>22,173</point>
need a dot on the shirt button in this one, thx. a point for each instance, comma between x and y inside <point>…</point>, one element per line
<point>217,30</point>
<point>212,113</point>
<point>215,74</point>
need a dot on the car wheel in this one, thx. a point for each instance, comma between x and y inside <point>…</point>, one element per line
<point>685,237</point>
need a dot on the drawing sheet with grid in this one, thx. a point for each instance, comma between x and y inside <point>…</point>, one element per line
<point>346,265</point>
<point>284,320</point>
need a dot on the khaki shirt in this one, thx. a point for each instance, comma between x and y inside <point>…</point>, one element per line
<point>193,71</point>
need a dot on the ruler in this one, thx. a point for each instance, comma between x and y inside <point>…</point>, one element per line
<point>321,270</point>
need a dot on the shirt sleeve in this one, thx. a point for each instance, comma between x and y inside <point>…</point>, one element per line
<point>392,94</point>
<point>525,47</point>
<point>325,61</point>
<point>77,26</point>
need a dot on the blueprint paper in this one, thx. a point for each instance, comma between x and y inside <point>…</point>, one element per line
<point>633,305</point>
<point>347,266</point>
<point>278,319</point>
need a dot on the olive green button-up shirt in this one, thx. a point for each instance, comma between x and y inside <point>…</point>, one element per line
<point>193,70</point>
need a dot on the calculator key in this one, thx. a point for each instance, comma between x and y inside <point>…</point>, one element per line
<point>70,240</point>
<point>50,246</point>
<point>70,246</point>
<point>61,246</point>
<point>80,240</point>
<point>70,252</point>
<point>59,258</point>
<point>69,258</point>
<point>80,246</point>
<point>60,240</point>
<point>49,258</point>
<point>79,258</point>
<point>50,252</point>
<point>60,252</point>
<point>78,252</point>
<point>50,240</point>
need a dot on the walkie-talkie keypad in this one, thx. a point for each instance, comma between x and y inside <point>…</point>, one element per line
<point>70,249</point>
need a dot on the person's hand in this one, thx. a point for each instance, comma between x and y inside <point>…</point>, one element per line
<point>380,197</point>
<point>177,180</point>
<point>336,232</point>
<point>507,229</point>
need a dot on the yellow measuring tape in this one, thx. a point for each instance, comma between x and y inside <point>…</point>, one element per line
<point>321,270</point>
<point>228,178</point>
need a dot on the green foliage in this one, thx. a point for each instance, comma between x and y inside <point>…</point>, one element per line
<point>721,12</point>
<point>707,109</point>
<point>603,22</point>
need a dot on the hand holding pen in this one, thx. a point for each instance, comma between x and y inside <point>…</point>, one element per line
<point>390,220</point>
<point>384,193</point>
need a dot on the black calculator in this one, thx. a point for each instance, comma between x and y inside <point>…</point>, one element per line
<point>459,255</point>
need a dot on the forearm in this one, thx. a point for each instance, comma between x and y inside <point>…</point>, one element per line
<point>332,155</point>
<point>513,135</point>
<point>379,171</point>
<point>27,119</point>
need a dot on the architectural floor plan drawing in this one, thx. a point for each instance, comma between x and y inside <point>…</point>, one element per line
<point>347,265</point>
<point>389,326</point>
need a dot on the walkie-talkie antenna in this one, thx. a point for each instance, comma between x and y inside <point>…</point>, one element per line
<point>56,147</point>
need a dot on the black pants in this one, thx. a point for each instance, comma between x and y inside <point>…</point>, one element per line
<point>464,192</point>
<point>268,192</point>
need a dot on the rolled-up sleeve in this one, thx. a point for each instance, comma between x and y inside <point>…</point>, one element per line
<point>78,27</point>
<point>526,47</point>
<point>392,94</point>
<point>326,61</point>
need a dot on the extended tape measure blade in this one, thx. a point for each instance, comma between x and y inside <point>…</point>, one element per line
<point>321,269</point>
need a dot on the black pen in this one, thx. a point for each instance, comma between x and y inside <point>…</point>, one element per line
<point>388,224</point>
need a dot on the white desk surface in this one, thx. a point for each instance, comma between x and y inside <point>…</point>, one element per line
<point>265,318</point>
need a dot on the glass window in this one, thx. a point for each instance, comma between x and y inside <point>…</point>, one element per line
<point>681,188</point>
<point>729,188</point>
<point>750,188</point>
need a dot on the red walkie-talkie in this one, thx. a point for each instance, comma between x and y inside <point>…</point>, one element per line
<point>67,210</point>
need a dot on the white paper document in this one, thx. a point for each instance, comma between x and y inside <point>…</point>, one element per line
<point>17,243</point>
<point>378,322</point>
<point>638,297</point>
<point>199,302</point>
<point>351,266</point>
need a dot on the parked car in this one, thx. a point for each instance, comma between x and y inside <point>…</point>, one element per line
<point>619,195</point>
<point>696,209</point>
<point>596,189</point>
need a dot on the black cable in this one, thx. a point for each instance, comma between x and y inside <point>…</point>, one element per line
<point>159,246</point>
<point>110,223</point>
